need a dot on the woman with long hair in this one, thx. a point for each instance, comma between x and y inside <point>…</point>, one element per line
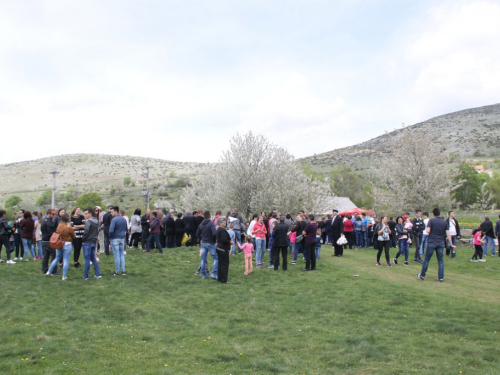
<point>383,233</point>
<point>135,229</point>
<point>348,231</point>
<point>260,231</point>
<point>67,236</point>
<point>402,240</point>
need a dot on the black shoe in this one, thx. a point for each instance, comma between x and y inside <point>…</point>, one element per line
<point>123,273</point>
<point>56,274</point>
<point>395,260</point>
<point>115,274</point>
<point>406,264</point>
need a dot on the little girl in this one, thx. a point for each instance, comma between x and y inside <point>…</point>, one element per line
<point>318,243</point>
<point>248,250</point>
<point>477,246</point>
<point>408,226</point>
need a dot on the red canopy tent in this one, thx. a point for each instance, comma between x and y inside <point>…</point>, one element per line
<point>356,210</point>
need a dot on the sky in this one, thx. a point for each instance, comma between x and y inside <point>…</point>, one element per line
<point>177,80</point>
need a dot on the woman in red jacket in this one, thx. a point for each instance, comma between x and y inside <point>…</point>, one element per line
<point>348,231</point>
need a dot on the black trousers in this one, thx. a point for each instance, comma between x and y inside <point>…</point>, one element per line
<point>178,239</point>
<point>170,240</point>
<point>48,253</point>
<point>349,236</point>
<point>106,242</point>
<point>478,252</point>
<point>4,241</point>
<point>417,238</point>
<point>223,265</point>
<point>134,240</point>
<point>276,255</point>
<point>310,255</point>
<point>163,239</point>
<point>18,244</point>
<point>192,241</point>
<point>338,248</point>
<point>383,245</point>
<point>77,248</point>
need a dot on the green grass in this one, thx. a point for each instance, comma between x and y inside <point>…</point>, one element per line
<point>162,319</point>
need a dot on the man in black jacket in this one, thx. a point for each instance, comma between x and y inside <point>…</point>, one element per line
<point>418,231</point>
<point>48,228</point>
<point>336,231</point>
<point>280,244</point>
<point>106,222</point>
<point>489,236</point>
<point>189,224</point>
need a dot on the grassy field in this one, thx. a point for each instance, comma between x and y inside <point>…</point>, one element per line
<point>162,319</point>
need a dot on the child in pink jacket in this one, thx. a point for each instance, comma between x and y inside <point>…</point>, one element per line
<point>247,250</point>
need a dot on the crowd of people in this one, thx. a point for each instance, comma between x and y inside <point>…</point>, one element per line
<point>95,231</point>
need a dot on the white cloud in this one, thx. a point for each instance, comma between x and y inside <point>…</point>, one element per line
<point>455,58</point>
<point>297,118</point>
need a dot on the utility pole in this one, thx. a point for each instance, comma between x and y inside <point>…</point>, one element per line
<point>53,172</point>
<point>145,192</point>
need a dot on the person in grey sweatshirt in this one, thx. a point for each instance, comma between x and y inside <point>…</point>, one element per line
<point>89,242</point>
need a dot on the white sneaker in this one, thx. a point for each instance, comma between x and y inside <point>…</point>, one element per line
<point>15,258</point>
<point>124,253</point>
<point>64,278</point>
<point>10,262</point>
<point>482,260</point>
<point>97,259</point>
<point>21,258</point>
<point>1,260</point>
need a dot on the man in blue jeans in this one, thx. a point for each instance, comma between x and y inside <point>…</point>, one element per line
<point>89,242</point>
<point>206,234</point>
<point>117,234</point>
<point>437,229</point>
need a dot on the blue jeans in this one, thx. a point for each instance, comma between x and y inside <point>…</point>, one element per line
<point>491,241</point>
<point>404,248</point>
<point>449,249</point>
<point>89,255</point>
<point>431,247</point>
<point>260,249</point>
<point>205,249</point>
<point>64,254</point>
<point>298,248</point>
<point>117,246</point>
<point>40,248</point>
<point>359,238</point>
<point>425,236</point>
<point>156,238</point>
<point>27,247</point>
<point>237,235</point>
<point>318,250</point>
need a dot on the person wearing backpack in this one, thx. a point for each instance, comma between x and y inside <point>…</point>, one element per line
<point>89,243</point>
<point>67,235</point>
<point>48,228</point>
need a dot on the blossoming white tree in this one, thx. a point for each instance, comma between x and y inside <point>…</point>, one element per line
<point>412,175</point>
<point>255,175</point>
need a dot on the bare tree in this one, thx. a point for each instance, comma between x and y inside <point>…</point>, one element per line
<point>412,174</point>
<point>255,175</point>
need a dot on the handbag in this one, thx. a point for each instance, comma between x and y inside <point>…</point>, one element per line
<point>55,241</point>
<point>342,240</point>
<point>299,238</point>
<point>185,238</point>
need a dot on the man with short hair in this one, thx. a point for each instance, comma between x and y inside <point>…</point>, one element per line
<point>89,243</point>
<point>48,228</point>
<point>336,231</point>
<point>489,236</point>
<point>106,223</point>
<point>117,234</point>
<point>206,233</point>
<point>454,229</point>
<point>154,233</point>
<point>418,230</point>
<point>437,229</point>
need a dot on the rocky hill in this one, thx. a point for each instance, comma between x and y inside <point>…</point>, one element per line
<point>104,174</point>
<point>464,134</point>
